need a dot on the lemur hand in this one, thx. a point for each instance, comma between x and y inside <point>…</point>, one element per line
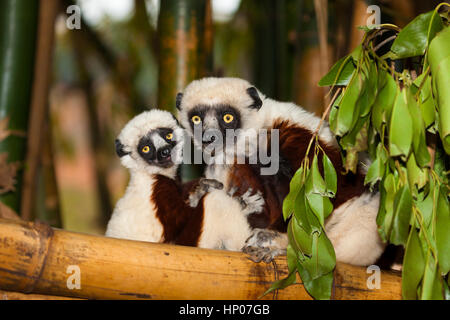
<point>250,202</point>
<point>203,187</point>
<point>210,183</point>
<point>265,245</point>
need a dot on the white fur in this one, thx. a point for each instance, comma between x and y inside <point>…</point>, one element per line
<point>224,226</point>
<point>138,127</point>
<point>353,230</point>
<point>134,216</point>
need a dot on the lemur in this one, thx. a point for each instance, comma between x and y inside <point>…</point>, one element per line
<point>214,105</point>
<point>156,207</point>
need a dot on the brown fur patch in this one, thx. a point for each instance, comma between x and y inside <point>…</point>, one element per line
<point>182,224</point>
<point>294,141</point>
<point>293,144</point>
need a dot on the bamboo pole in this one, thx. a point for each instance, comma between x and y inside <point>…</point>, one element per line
<point>48,10</point>
<point>181,41</point>
<point>35,258</point>
<point>18,21</point>
<point>185,43</point>
<point>47,200</point>
<point>10,295</point>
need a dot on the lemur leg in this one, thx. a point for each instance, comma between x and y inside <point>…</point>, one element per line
<point>250,202</point>
<point>265,245</point>
<point>203,187</point>
<point>353,231</point>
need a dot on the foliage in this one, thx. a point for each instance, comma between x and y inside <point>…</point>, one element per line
<point>403,122</point>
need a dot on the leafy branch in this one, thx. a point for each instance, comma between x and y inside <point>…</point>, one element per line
<point>400,116</point>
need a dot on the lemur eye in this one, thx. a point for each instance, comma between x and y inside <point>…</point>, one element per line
<point>196,119</point>
<point>228,118</point>
<point>169,136</point>
<point>146,149</point>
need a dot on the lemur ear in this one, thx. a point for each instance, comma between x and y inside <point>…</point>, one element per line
<point>178,100</point>
<point>257,102</point>
<point>120,149</point>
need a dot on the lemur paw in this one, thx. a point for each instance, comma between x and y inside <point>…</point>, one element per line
<point>252,202</point>
<point>264,245</point>
<point>257,254</point>
<point>203,187</point>
<point>210,183</point>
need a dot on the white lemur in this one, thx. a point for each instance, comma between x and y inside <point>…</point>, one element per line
<point>156,207</point>
<point>214,105</point>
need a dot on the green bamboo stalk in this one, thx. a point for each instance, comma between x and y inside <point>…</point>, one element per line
<point>18,25</point>
<point>185,53</point>
<point>181,26</point>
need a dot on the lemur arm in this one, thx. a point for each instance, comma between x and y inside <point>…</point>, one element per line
<point>195,190</point>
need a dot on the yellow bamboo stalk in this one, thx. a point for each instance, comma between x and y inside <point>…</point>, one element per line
<point>10,295</point>
<point>35,258</point>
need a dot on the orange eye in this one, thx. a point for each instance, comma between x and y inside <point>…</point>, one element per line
<point>169,136</point>
<point>146,149</point>
<point>196,120</point>
<point>228,118</point>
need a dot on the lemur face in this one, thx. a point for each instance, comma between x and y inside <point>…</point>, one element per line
<point>213,105</point>
<point>151,142</point>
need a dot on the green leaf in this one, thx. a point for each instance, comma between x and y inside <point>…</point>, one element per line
<point>413,266</point>
<point>357,54</point>
<point>413,39</point>
<point>315,183</point>
<point>353,143</point>
<point>419,143</point>
<point>384,101</point>
<point>298,238</point>
<point>439,60</point>
<point>323,258</point>
<point>347,109</point>
<point>402,216</point>
<point>443,230</point>
<point>321,206</point>
<point>377,168</point>
<point>319,288</point>
<point>432,282</point>
<point>435,25</point>
<point>340,74</point>
<point>384,221</point>
<point>375,173</point>
<point>291,278</point>
<point>426,102</point>
<point>417,177</point>
<point>330,175</point>
<point>381,216</point>
<point>282,283</point>
<point>294,189</point>
<point>367,98</point>
<point>334,112</point>
<point>301,211</point>
<point>425,206</point>
<point>400,128</point>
